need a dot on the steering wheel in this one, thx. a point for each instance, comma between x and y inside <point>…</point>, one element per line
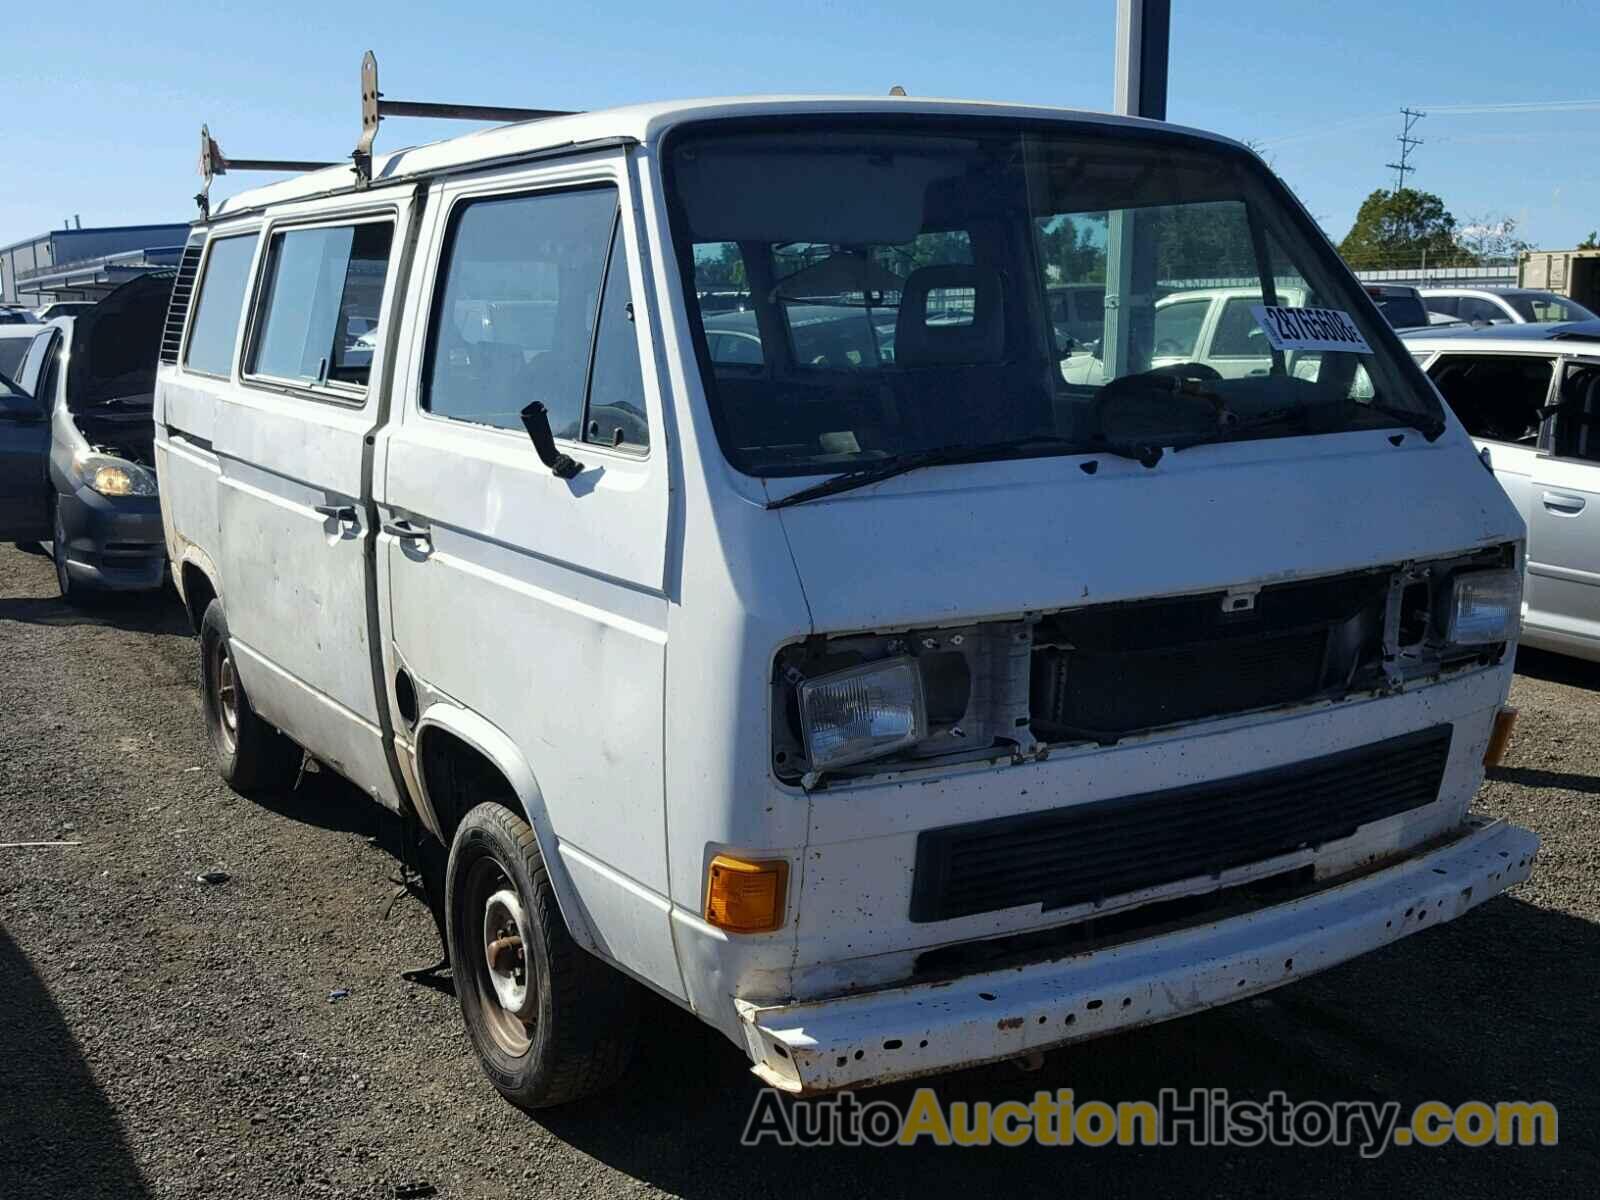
<point>1187,370</point>
<point>1144,412</point>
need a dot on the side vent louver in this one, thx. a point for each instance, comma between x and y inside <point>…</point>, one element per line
<point>182,294</point>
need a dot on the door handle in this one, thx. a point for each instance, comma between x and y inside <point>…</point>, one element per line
<point>406,531</point>
<point>1563,502</point>
<point>339,512</point>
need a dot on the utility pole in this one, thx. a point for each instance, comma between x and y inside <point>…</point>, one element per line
<point>1143,33</point>
<point>1140,90</point>
<point>1406,141</point>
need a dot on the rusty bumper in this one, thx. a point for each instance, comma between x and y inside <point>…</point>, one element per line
<point>902,1032</point>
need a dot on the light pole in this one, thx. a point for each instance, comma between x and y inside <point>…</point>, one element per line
<point>1140,90</point>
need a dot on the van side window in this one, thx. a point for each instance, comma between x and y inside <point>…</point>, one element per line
<point>320,298</point>
<point>514,320</point>
<point>616,415</point>
<point>1497,397</point>
<point>215,327</point>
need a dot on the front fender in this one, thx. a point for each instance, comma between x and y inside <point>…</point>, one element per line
<point>490,741</point>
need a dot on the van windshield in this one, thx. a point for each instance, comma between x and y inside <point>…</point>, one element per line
<point>866,291</point>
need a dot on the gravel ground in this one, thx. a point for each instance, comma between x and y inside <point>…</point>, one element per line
<point>165,1037</point>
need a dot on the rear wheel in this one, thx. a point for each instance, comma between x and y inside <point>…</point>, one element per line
<point>550,1022</point>
<point>251,755</point>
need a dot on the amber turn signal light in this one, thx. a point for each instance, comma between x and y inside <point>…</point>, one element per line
<point>746,897</point>
<point>1500,736</point>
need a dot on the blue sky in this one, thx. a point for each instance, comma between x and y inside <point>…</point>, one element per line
<point>103,103</point>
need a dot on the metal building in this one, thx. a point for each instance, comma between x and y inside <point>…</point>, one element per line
<point>84,264</point>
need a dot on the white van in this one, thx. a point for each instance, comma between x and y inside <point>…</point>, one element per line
<point>893,704</point>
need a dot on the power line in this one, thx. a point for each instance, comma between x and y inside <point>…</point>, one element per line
<point>1412,116</point>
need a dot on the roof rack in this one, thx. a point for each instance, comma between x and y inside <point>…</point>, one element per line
<point>214,163</point>
<point>374,110</point>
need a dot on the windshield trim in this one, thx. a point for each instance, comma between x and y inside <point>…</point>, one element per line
<point>1291,212</point>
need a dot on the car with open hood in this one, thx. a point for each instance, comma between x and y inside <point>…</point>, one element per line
<point>92,379</point>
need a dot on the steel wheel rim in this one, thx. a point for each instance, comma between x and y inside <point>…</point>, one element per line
<point>503,974</point>
<point>225,684</point>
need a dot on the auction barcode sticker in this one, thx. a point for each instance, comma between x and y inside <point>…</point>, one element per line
<point>1309,329</point>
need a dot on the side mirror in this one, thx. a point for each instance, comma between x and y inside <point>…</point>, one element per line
<point>536,420</point>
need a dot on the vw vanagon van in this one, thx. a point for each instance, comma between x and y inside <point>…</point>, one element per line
<point>857,683</point>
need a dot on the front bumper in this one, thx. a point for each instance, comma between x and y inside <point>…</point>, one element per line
<point>898,1033</point>
<point>114,542</point>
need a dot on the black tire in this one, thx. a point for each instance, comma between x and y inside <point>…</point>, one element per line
<point>252,756</point>
<point>72,593</point>
<point>578,1019</point>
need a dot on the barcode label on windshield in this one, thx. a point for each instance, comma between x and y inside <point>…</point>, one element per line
<point>1309,329</point>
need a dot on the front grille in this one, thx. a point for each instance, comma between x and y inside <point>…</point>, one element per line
<point>1106,695</point>
<point>1111,847</point>
<point>1104,672</point>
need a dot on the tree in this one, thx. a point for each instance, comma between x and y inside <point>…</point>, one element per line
<point>1592,242</point>
<point>1491,238</point>
<point>1398,229</point>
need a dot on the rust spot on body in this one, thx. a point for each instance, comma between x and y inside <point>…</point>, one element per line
<point>1009,1023</point>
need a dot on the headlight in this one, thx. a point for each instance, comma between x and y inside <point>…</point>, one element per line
<point>1484,607</point>
<point>116,477</point>
<point>863,712</point>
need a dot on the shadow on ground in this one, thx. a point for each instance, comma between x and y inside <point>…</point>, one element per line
<point>1558,668</point>
<point>1495,1006</point>
<point>142,612</point>
<point>1489,1007</point>
<point>58,1134</point>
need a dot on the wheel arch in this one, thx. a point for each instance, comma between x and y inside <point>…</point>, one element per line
<point>196,578</point>
<point>445,730</point>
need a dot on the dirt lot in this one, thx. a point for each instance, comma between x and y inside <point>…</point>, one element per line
<point>164,1037</point>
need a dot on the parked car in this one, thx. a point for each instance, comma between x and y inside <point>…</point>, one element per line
<point>15,342</point>
<point>1078,312</point>
<point>890,713</point>
<point>63,308</point>
<point>17,316</point>
<point>1529,395</point>
<point>1400,305</point>
<point>1214,327</point>
<point>24,441</point>
<point>91,378</point>
<point>1504,306</point>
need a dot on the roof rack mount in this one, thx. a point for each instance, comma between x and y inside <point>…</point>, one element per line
<point>374,109</point>
<point>213,163</point>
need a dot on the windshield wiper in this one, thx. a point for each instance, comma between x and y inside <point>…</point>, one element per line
<point>1429,427</point>
<point>936,456</point>
<point>1302,415</point>
<point>1277,416</point>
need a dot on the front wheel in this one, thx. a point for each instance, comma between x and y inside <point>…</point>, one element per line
<point>71,592</point>
<point>550,1022</point>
